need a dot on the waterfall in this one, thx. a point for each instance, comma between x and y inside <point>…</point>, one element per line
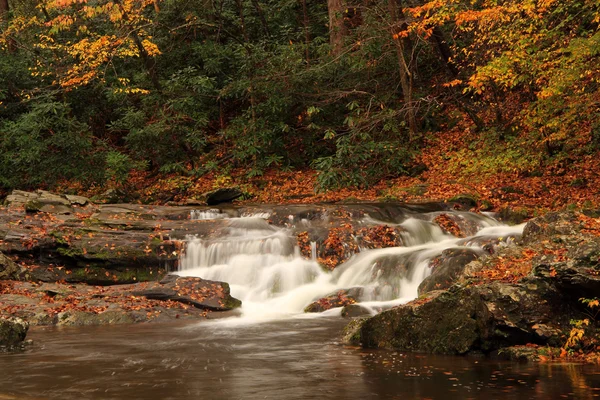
<point>265,269</point>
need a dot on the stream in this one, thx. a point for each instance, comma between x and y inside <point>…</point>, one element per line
<point>272,349</point>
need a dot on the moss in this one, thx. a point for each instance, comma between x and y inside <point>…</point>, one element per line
<point>231,302</point>
<point>466,199</point>
<point>352,332</point>
<point>71,252</point>
<point>96,274</point>
<point>33,206</point>
<point>92,222</point>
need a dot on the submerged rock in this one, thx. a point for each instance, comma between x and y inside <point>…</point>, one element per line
<point>12,332</point>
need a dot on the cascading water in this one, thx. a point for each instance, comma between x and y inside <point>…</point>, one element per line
<point>264,268</point>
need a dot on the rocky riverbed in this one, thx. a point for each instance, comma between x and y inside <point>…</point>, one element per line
<point>66,261</point>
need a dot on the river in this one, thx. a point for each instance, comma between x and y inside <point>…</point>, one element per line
<point>297,358</point>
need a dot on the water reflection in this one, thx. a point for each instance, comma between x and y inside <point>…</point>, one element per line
<point>293,359</point>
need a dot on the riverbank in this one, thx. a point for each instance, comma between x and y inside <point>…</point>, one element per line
<point>446,167</point>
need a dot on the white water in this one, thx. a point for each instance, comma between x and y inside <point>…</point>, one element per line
<point>266,272</point>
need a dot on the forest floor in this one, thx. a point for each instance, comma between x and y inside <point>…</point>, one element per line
<point>449,168</point>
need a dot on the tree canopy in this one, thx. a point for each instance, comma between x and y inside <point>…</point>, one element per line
<point>91,90</point>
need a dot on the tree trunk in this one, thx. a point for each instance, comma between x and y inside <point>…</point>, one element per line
<point>261,16</point>
<point>337,28</point>
<point>249,52</point>
<point>441,43</point>
<point>3,13</point>
<point>306,23</point>
<point>404,49</point>
<point>149,62</point>
<point>4,19</point>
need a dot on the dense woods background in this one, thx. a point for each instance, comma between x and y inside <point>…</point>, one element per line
<point>357,90</point>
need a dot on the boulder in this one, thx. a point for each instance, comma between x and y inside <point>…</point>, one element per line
<point>339,298</point>
<point>12,332</point>
<point>9,270</point>
<point>456,224</point>
<point>18,198</point>
<point>481,318</point>
<point>44,201</point>
<point>223,195</point>
<point>447,268</point>
<point>200,293</point>
<point>554,225</point>
<point>39,201</point>
<point>78,200</point>
<point>355,310</point>
<point>577,274</point>
<point>464,201</point>
<point>513,216</point>
<point>112,196</point>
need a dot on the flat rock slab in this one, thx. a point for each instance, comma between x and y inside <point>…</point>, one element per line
<point>200,293</point>
<point>80,304</point>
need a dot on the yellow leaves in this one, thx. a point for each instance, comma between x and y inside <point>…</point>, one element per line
<point>151,48</point>
<point>577,333</point>
<point>58,4</point>
<point>543,5</point>
<point>453,83</point>
<point>86,59</point>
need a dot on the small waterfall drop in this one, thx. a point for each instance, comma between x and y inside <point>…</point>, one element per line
<point>266,271</point>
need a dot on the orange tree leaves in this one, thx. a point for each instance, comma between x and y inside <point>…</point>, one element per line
<point>95,52</point>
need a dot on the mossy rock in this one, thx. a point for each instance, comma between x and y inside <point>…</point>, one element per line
<point>513,216</point>
<point>12,332</point>
<point>465,200</point>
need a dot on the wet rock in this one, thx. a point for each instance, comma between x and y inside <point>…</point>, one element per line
<point>490,244</point>
<point>456,224</point>
<point>553,225</point>
<point>94,275</point>
<point>519,353</point>
<point>83,318</point>
<point>471,319</point>
<point>223,195</point>
<point>339,298</point>
<point>200,293</point>
<point>352,332</point>
<point>12,332</point>
<point>447,268</point>
<point>513,216</point>
<point>355,310</point>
